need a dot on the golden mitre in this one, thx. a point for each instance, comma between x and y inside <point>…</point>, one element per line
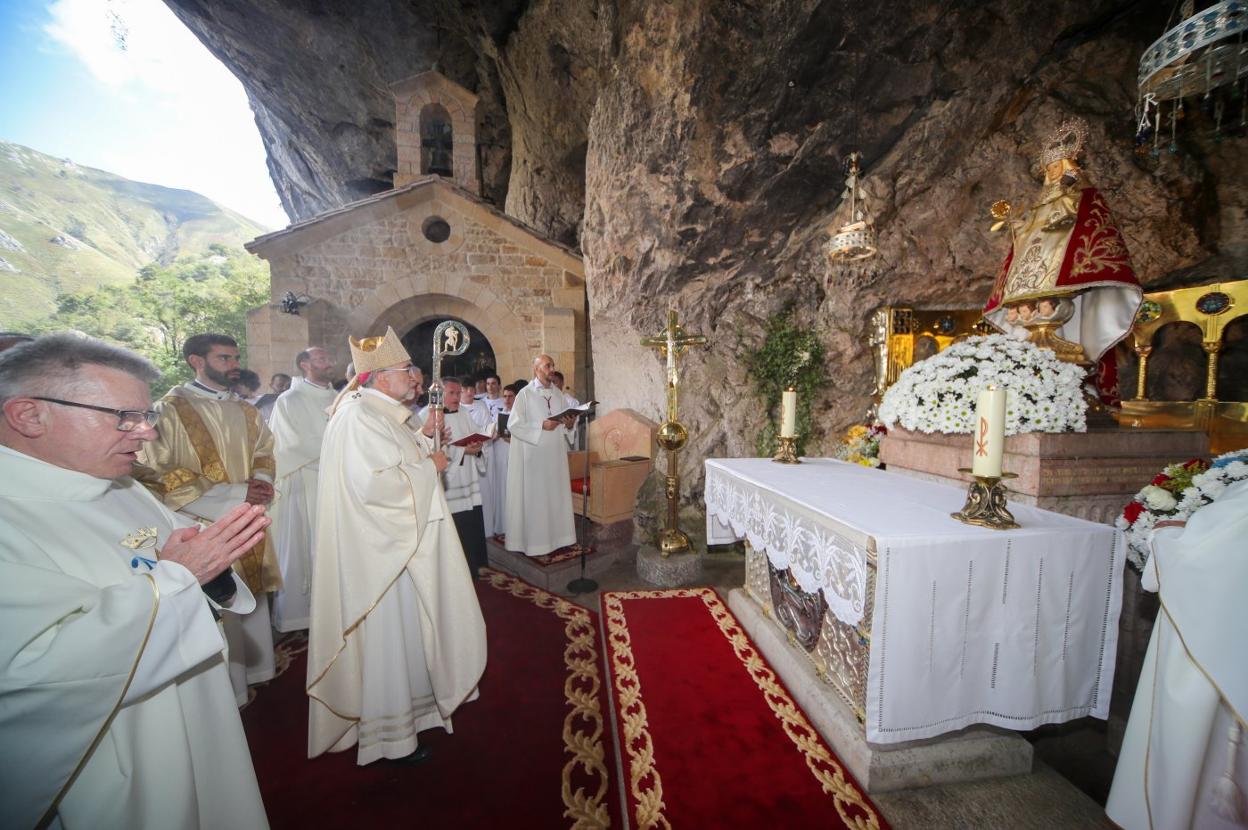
<point>372,353</point>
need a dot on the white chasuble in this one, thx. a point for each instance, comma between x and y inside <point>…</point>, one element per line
<point>397,640</point>
<point>1186,740</point>
<point>539,489</point>
<point>115,703</point>
<point>298,423</point>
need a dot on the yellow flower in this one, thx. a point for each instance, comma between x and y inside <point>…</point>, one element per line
<point>855,432</point>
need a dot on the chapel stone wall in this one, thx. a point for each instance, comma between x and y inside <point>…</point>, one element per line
<point>384,270</point>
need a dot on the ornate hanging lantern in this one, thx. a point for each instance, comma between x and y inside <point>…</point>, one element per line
<point>856,239</point>
<point>1203,56</point>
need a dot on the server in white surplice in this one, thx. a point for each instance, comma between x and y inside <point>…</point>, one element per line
<point>462,477</point>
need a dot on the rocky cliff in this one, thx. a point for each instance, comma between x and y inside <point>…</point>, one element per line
<point>693,149</point>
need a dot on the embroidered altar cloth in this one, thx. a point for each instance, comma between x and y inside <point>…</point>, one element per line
<point>1015,628</point>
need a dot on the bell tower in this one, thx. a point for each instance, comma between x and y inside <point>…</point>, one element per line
<point>435,131</point>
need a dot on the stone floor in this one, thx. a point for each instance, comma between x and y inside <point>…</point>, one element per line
<point>1043,800</point>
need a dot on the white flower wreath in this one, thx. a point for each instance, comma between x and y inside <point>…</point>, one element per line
<point>1155,503</point>
<point>938,394</point>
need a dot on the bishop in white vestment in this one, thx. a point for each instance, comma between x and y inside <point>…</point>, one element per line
<point>539,489</point>
<point>115,702</point>
<point>1184,763</point>
<point>300,416</point>
<point>397,641</point>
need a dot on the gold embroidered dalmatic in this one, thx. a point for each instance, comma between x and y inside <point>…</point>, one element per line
<point>205,442</point>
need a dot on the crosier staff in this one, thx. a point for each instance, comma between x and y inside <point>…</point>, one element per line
<point>450,339</point>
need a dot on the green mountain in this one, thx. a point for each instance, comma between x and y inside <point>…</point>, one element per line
<point>68,228</point>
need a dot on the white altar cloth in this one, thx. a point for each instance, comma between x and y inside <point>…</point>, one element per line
<point>1015,628</point>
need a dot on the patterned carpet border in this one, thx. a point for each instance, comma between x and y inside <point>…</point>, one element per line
<point>642,776</point>
<point>585,779</point>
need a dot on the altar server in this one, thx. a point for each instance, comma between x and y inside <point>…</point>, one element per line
<point>397,640</point>
<point>539,489</point>
<point>300,416</point>
<point>494,482</point>
<point>462,476</point>
<point>115,701</point>
<point>1184,763</point>
<point>212,453</point>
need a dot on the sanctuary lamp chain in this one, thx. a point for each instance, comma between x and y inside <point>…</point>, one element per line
<point>671,343</point>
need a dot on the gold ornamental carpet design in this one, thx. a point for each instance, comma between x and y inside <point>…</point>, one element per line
<point>530,752</point>
<point>708,735</point>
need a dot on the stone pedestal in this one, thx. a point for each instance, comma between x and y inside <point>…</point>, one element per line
<point>553,578</point>
<point>971,754</point>
<point>1091,475</point>
<point>671,572</point>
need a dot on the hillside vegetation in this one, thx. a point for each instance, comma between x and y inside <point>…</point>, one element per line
<point>65,229</point>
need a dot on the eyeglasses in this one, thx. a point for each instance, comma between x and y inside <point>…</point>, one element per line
<point>411,370</point>
<point>128,420</point>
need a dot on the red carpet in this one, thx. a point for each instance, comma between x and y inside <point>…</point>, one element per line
<point>530,753</point>
<point>709,736</point>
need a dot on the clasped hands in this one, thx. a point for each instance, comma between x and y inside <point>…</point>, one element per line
<point>206,552</point>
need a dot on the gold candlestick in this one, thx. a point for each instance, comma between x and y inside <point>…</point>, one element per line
<point>985,502</point>
<point>786,452</point>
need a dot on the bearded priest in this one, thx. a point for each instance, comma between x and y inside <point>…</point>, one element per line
<point>397,639</point>
<point>115,701</point>
<point>300,415</point>
<point>211,453</point>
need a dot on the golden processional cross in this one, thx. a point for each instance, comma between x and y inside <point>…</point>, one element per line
<point>671,343</point>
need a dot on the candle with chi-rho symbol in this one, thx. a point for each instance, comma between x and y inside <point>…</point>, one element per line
<point>989,442</point>
<point>788,413</point>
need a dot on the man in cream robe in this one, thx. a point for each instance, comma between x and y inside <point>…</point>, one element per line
<point>115,701</point>
<point>298,423</point>
<point>214,452</point>
<point>539,489</point>
<point>397,640</point>
<point>1183,761</point>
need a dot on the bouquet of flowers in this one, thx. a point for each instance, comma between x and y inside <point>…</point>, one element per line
<point>861,444</point>
<point>1175,494</point>
<point>939,394</point>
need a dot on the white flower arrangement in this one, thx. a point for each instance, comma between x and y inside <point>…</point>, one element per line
<point>1175,494</point>
<point>939,394</point>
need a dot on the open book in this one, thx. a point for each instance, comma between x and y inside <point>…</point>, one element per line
<point>583,409</point>
<point>475,438</point>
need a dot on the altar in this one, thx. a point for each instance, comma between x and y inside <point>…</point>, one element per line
<point>921,624</point>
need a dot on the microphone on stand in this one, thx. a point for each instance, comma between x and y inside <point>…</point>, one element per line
<point>583,584</point>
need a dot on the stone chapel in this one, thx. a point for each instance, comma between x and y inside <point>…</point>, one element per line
<point>427,250</point>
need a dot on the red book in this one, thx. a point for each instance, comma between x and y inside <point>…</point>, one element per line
<point>475,438</point>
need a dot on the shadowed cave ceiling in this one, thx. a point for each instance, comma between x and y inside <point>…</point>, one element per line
<point>692,150</point>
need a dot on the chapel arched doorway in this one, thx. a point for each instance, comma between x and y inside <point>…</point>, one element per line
<point>477,359</point>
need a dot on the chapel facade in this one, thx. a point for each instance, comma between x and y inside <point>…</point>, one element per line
<point>428,250</point>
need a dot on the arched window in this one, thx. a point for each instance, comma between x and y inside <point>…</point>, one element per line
<point>436,141</point>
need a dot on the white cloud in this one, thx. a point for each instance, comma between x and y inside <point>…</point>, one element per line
<point>190,123</point>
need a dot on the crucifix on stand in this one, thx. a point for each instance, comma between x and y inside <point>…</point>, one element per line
<point>671,343</point>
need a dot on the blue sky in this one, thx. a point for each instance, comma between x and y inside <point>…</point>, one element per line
<point>123,86</point>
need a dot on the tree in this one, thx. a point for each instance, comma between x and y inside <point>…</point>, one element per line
<point>164,305</point>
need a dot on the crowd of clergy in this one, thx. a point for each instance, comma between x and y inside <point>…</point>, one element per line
<point>152,552</point>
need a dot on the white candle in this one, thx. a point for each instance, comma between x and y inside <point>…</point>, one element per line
<point>788,414</point>
<point>989,433</point>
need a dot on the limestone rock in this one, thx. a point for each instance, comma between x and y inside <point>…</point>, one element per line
<point>693,150</point>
